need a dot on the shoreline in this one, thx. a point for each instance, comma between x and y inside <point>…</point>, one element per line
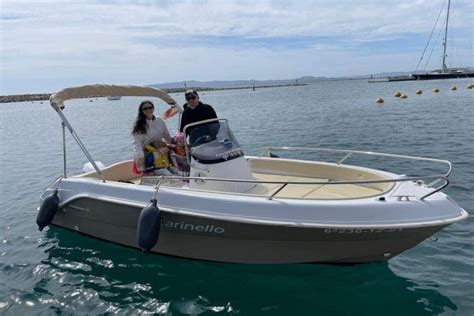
<point>45,96</point>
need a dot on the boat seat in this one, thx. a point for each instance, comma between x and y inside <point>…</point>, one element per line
<point>342,191</point>
<point>121,171</point>
<point>317,171</point>
<point>310,191</point>
<point>291,191</point>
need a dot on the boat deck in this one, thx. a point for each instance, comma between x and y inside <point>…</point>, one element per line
<point>310,191</point>
<point>265,170</point>
<point>295,191</point>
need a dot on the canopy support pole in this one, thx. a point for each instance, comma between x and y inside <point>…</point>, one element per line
<point>79,142</point>
<point>64,149</point>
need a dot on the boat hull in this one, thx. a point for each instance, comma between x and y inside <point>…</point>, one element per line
<point>426,76</point>
<point>430,76</point>
<point>195,237</point>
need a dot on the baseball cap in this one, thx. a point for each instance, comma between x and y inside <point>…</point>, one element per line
<point>191,93</point>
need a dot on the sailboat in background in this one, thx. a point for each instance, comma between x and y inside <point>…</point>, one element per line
<point>444,72</point>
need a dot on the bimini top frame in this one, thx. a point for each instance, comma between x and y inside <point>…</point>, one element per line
<point>100,90</point>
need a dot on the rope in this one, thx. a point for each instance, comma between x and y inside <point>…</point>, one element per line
<point>157,187</point>
<point>432,49</point>
<point>429,39</point>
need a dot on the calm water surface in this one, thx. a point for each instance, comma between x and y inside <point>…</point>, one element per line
<point>58,271</point>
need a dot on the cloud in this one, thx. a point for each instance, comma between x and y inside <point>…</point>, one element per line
<point>55,44</point>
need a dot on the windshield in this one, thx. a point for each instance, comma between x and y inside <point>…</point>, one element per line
<point>204,133</point>
<point>213,142</point>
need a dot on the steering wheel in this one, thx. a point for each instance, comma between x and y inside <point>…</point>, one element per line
<point>202,140</point>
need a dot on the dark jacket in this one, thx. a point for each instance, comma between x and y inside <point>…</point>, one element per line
<point>201,112</point>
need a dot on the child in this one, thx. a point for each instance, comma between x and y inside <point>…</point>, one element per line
<point>156,159</point>
<point>178,153</point>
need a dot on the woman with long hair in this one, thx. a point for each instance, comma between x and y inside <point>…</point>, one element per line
<point>149,130</point>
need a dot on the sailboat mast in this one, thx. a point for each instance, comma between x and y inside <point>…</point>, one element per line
<point>445,68</point>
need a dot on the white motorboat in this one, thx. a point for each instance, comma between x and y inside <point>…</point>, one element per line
<point>248,209</point>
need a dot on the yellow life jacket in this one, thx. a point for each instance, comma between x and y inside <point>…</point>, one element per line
<point>161,160</point>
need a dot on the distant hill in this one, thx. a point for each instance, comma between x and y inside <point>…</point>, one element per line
<point>223,84</point>
<point>244,83</point>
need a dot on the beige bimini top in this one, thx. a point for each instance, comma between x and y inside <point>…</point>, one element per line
<point>101,90</point>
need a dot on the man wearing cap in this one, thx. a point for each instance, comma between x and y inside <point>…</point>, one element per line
<point>195,110</point>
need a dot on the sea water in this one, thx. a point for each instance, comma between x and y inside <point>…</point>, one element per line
<point>58,271</point>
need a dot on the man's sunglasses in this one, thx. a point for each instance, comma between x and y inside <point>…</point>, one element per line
<point>191,98</point>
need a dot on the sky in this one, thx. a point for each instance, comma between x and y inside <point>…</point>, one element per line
<point>46,46</point>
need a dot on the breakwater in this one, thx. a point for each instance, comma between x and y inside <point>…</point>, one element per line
<point>24,97</point>
<point>45,96</point>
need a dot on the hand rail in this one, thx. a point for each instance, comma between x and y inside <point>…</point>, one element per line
<point>283,184</point>
<point>333,182</point>
<point>446,183</point>
<point>435,178</point>
<point>349,152</point>
<point>278,190</point>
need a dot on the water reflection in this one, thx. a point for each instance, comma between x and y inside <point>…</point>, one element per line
<point>87,275</point>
